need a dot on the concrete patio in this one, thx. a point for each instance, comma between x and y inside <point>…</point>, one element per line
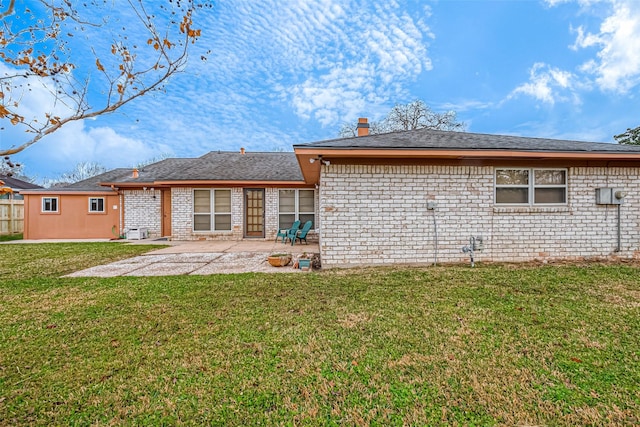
<point>228,246</point>
<point>202,258</point>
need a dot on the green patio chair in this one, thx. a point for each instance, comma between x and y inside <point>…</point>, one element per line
<point>302,234</point>
<point>284,233</point>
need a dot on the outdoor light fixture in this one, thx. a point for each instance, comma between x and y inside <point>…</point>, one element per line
<point>324,162</point>
<point>319,158</point>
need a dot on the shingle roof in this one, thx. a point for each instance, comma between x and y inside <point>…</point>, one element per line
<point>155,171</point>
<point>221,166</point>
<point>433,139</point>
<point>93,183</point>
<point>17,184</point>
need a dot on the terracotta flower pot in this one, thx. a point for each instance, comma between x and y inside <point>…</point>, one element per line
<point>279,260</point>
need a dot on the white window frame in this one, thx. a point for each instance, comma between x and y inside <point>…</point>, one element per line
<point>531,187</point>
<point>296,205</point>
<point>49,200</point>
<point>91,199</point>
<point>212,213</point>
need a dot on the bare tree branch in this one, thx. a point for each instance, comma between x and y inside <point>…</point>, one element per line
<point>10,9</point>
<point>41,55</point>
<point>414,115</point>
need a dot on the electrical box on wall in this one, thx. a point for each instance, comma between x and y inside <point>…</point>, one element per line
<point>610,196</point>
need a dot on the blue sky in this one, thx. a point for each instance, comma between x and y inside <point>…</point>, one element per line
<point>285,72</point>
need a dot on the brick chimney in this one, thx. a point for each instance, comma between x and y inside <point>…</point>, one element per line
<point>242,150</point>
<point>135,173</point>
<point>363,126</point>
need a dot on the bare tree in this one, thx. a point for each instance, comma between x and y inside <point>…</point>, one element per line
<point>82,171</point>
<point>414,115</point>
<point>154,159</point>
<point>37,40</point>
<point>418,115</point>
<point>349,130</point>
<point>8,168</point>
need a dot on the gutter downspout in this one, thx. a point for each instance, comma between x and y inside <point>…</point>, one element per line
<point>431,206</point>
<point>619,247</point>
<point>121,207</point>
<point>435,233</point>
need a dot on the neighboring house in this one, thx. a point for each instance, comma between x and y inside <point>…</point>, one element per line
<point>221,196</point>
<point>16,185</point>
<point>412,197</point>
<point>12,205</point>
<point>83,210</point>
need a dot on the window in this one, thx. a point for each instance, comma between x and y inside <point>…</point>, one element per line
<point>531,186</point>
<point>49,204</point>
<point>296,205</point>
<point>96,204</point>
<point>211,210</point>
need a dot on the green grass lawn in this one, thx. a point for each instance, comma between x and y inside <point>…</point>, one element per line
<point>506,345</point>
<point>8,237</point>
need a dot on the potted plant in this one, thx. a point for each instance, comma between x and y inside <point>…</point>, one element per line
<point>304,262</point>
<point>279,260</point>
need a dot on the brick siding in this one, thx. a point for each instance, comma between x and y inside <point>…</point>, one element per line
<point>182,216</point>
<point>376,214</point>
<point>142,209</point>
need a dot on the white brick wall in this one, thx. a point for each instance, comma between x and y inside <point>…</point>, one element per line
<point>182,215</point>
<point>142,209</point>
<point>377,215</point>
<point>271,213</point>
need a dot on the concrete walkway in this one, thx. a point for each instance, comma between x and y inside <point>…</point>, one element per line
<point>201,258</point>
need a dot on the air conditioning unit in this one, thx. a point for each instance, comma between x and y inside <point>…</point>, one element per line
<point>137,233</point>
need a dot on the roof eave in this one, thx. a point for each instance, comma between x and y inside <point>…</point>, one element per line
<point>311,170</point>
<point>201,182</point>
<point>67,192</point>
<point>230,182</point>
<point>116,184</point>
<point>461,153</point>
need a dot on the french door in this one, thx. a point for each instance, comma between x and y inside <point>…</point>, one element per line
<point>254,212</point>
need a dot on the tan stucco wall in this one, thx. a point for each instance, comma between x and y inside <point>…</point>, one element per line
<point>73,220</point>
<point>376,214</point>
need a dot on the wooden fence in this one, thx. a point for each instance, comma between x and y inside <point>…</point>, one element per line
<point>11,216</point>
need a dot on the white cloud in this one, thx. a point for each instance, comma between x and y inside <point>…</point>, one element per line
<point>104,143</point>
<point>72,143</point>
<point>547,84</point>
<point>388,48</point>
<point>617,66</point>
<point>463,106</point>
<point>328,59</point>
<point>267,65</point>
<point>75,143</point>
